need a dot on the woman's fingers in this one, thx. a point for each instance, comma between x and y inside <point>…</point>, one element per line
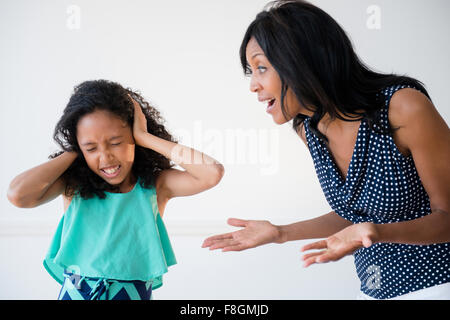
<point>210,240</point>
<point>221,244</point>
<point>237,222</point>
<point>318,257</point>
<point>311,258</point>
<point>322,244</point>
<point>310,255</point>
<point>238,247</point>
<point>309,262</point>
<point>315,257</point>
<point>233,222</point>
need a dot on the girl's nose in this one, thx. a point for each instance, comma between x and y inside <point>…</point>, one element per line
<point>105,156</point>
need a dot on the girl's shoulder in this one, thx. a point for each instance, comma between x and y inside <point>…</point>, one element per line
<point>66,200</point>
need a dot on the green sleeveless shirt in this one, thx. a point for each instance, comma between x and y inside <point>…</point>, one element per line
<point>120,237</point>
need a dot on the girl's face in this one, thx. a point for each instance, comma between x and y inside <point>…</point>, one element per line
<point>266,82</point>
<point>108,146</point>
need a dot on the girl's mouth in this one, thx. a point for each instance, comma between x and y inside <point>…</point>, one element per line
<point>111,172</point>
<point>270,105</point>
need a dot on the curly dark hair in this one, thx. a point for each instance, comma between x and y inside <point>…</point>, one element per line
<point>93,95</point>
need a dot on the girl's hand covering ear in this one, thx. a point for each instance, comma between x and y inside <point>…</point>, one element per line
<point>140,122</point>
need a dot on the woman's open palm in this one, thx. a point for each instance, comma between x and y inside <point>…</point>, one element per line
<point>254,234</point>
<point>341,244</point>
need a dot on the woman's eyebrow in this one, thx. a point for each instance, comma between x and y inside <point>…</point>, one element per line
<point>112,138</point>
<point>257,54</point>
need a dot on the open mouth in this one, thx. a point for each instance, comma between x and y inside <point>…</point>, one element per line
<point>111,172</point>
<point>270,105</point>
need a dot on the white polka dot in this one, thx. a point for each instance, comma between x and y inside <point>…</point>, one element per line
<point>384,174</point>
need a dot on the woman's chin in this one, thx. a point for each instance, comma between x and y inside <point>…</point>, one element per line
<point>279,120</point>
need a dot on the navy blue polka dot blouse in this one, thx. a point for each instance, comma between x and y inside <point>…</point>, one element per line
<point>382,186</point>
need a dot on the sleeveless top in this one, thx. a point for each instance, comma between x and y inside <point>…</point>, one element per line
<point>120,237</point>
<point>382,186</point>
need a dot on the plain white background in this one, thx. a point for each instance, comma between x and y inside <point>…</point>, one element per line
<point>183,57</point>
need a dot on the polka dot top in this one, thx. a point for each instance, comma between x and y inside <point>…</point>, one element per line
<point>382,186</point>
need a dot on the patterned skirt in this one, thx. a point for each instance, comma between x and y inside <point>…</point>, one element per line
<point>76,287</point>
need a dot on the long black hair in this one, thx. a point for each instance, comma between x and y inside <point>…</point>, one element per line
<point>88,97</point>
<point>315,59</point>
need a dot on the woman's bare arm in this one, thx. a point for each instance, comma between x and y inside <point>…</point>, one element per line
<point>320,227</point>
<point>256,233</point>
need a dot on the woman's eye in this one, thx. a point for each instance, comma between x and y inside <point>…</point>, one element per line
<point>261,69</point>
<point>90,150</point>
<point>116,144</point>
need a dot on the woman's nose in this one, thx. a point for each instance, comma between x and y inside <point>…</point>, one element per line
<point>254,85</point>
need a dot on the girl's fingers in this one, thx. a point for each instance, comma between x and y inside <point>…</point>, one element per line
<point>315,245</point>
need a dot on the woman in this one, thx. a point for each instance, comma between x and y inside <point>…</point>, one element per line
<point>380,150</point>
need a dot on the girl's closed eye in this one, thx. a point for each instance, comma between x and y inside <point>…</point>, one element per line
<point>113,144</point>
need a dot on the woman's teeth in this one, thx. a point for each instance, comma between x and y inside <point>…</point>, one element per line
<point>270,105</point>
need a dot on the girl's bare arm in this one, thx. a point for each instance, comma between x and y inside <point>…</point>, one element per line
<point>40,184</point>
<point>201,172</point>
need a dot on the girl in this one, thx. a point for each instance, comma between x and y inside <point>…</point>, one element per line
<point>116,177</point>
<point>380,149</point>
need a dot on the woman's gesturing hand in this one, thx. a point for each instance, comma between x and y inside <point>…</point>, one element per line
<point>254,234</point>
<point>340,244</point>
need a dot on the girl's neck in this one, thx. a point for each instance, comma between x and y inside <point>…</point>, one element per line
<point>127,184</point>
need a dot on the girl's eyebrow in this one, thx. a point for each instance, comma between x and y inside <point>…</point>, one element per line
<point>89,143</point>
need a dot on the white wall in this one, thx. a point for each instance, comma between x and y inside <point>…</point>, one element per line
<point>183,56</point>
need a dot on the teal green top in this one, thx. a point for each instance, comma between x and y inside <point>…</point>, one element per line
<point>120,237</point>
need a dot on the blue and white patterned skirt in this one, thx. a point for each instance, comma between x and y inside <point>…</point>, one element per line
<point>76,287</point>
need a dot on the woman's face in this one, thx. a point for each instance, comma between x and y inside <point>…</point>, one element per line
<point>107,144</point>
<point>266,82</point>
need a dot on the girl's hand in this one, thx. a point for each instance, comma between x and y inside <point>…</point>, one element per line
<point>140,123</point>
<point>340,244</point>
<point>255,233</point>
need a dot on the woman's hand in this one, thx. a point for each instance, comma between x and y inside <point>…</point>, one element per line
<point>140,123</point>
<point>254,234</point>
<point>340,244</point>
